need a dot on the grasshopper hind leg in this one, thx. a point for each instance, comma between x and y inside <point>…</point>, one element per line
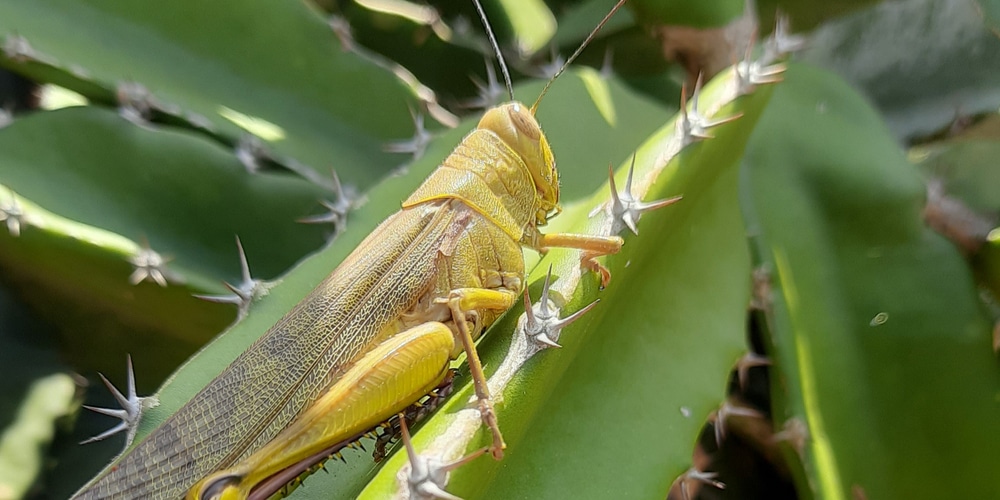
<point>379,384</point>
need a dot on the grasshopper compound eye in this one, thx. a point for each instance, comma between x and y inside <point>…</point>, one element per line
<point>524,122</point>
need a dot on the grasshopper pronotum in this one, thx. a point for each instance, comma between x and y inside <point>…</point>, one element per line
<point>379,332</point>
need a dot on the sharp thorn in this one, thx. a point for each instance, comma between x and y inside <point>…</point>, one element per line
<point>106,411</point>
<point>244,265</point>
<point>697,91</point>
<point>616,201</point>
<point>544,300</point>
<point>568,320</point>
<point>631,171</point>
<point>429,488</point>
<point>122,400</point>
<point>338,188</point>
<point>106,434</point>
<point>684,108</point>
<point>529,312</point>
<point>653,205</point>
<point>630,222</point>
<point>220,299</point>
<point>130,377</point>
<point>544,339</point>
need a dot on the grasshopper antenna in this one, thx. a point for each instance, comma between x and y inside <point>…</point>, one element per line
<point>496,49</point>
<point>579,49</point>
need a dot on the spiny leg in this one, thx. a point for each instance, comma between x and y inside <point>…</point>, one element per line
<point>388,432</point>
<point>462,301</point>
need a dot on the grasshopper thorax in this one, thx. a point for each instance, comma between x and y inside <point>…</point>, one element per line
<point>516,126</point>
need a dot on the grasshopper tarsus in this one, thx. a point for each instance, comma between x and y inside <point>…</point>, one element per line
<point>490,420</point>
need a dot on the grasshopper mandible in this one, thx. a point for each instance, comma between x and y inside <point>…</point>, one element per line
<point>378,333</point>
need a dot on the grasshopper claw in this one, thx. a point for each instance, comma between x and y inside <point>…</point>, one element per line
<point>489,416</point>
<point>588,261</point>
<point>130,413</point>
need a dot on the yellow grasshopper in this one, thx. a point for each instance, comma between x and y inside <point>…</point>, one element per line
<point>379,332</point>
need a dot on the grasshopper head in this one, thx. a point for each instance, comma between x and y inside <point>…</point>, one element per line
<point>515,124</point>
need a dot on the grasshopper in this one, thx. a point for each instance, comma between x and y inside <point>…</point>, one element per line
<point>379,332</point>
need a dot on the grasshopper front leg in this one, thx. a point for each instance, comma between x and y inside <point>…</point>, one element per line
<point>592,247</point>
<point>461,302</point>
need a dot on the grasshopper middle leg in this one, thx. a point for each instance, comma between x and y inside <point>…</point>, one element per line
<point>461,302</point>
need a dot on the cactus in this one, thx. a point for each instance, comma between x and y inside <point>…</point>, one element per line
<point>561,406</point>
<point>849,320</point>
<point>202,137</point>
